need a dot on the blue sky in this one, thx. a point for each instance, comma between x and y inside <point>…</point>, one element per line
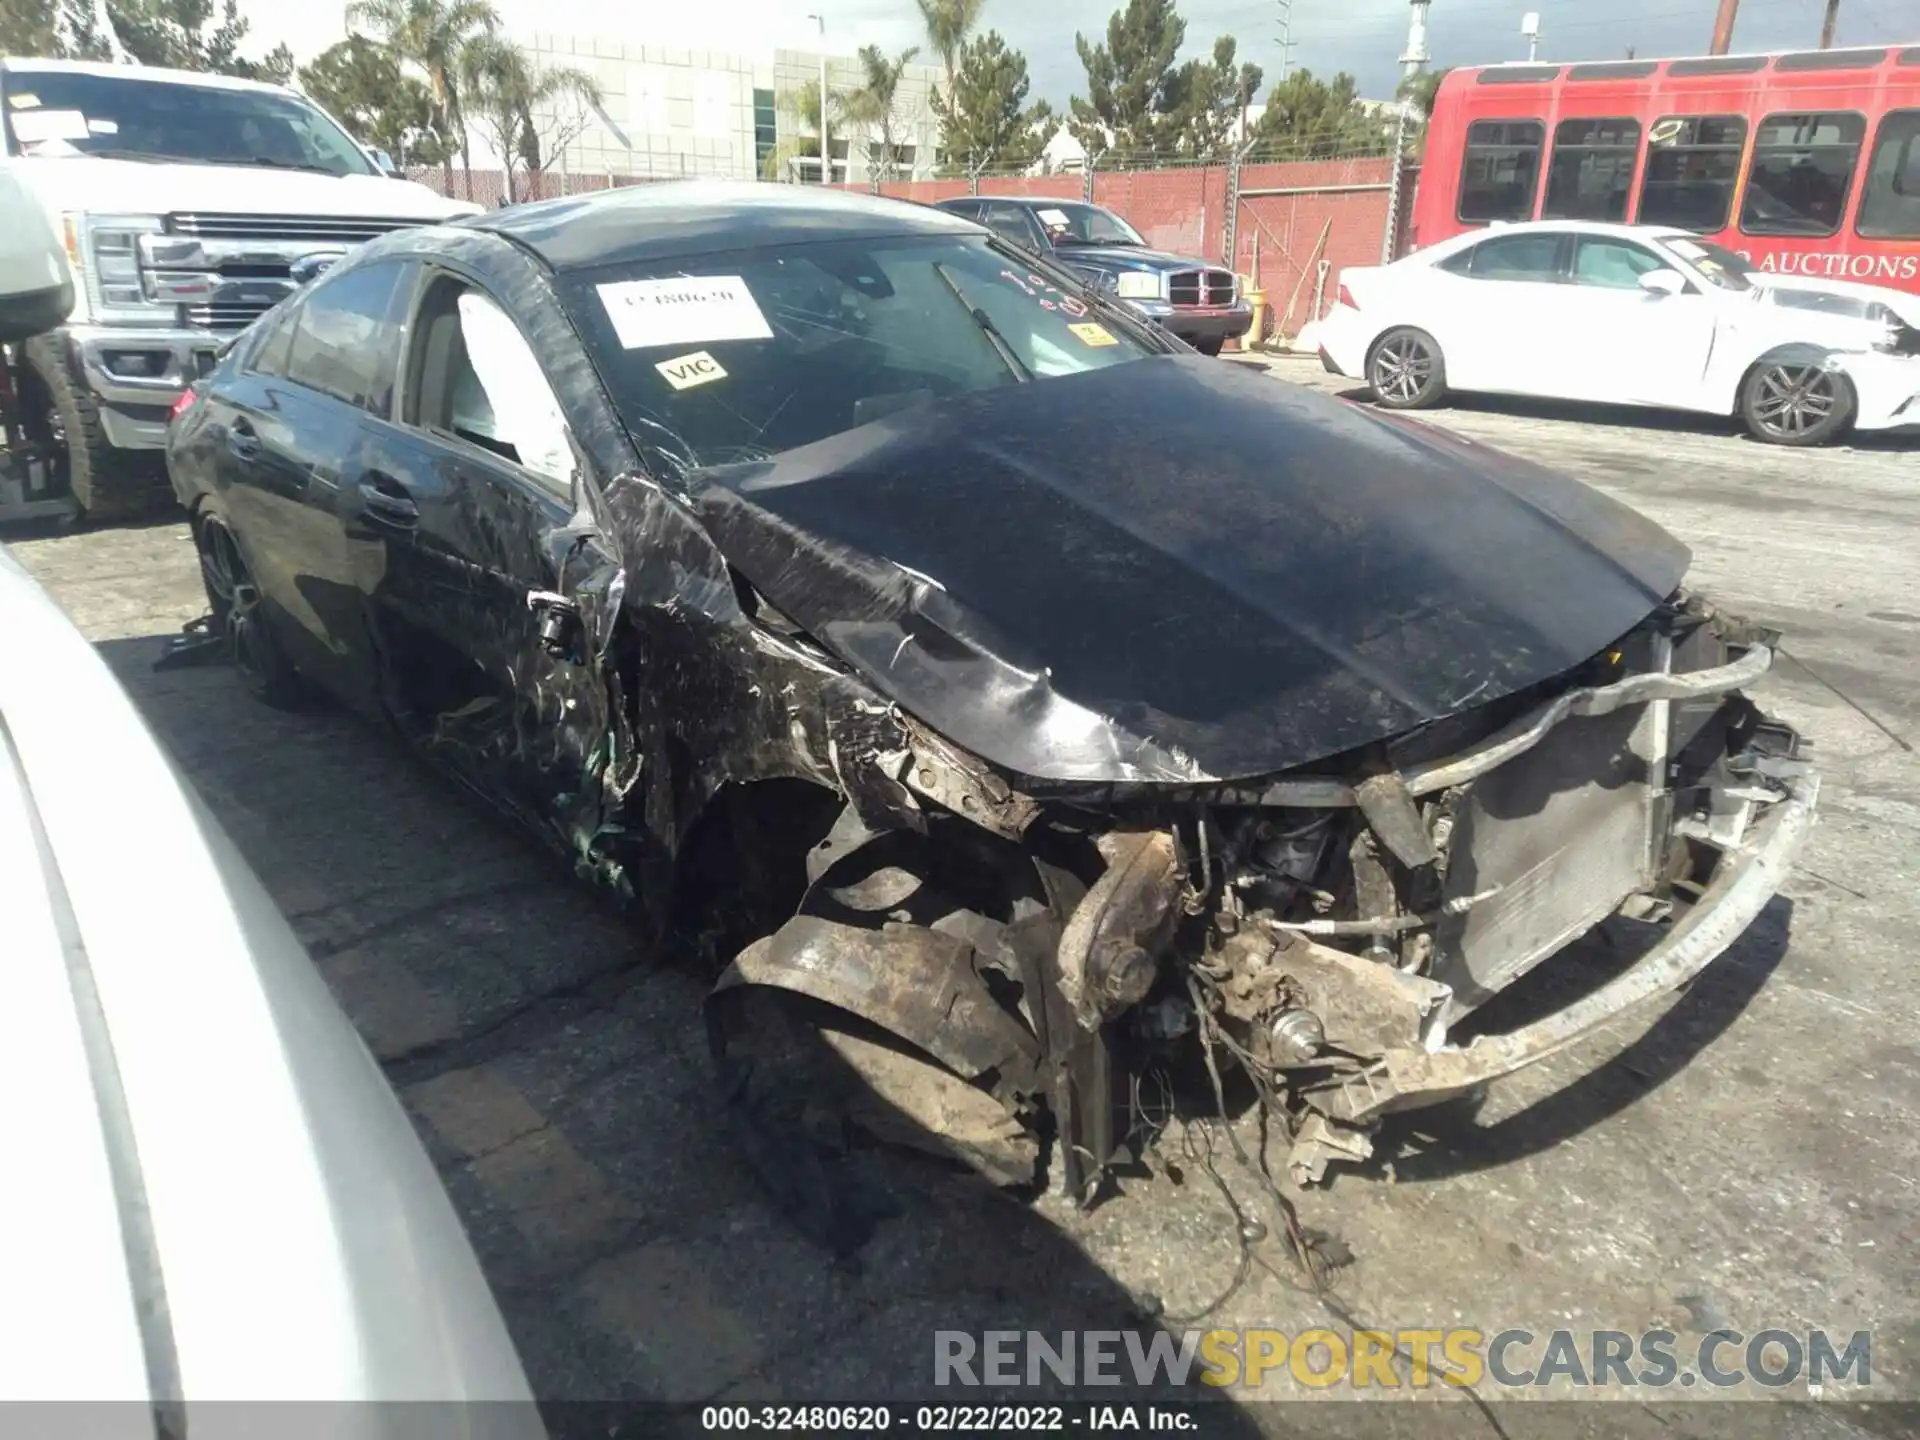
<point>1361,36</point>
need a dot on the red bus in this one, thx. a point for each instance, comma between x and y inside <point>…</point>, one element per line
<point>1807,163</point>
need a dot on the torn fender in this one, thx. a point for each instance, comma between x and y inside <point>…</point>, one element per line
<point>912,982</point>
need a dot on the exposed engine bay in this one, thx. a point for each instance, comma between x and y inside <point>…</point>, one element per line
<point>1040,960</point>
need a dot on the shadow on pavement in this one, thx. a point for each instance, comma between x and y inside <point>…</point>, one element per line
<point>560,1079</point>
<point>1447,1141</point>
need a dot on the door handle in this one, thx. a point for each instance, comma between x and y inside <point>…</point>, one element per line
<point>387,502</point>
<point>242,443</point>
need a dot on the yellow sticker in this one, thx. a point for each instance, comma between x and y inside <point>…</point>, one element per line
<point>699,368</point>
<point>1092,334</point>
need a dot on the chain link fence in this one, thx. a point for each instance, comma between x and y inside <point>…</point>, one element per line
<point>1287,213</point>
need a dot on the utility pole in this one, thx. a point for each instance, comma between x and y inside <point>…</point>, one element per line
<point>1826,26</point>
<point>826,149</point>
<point>1530,30</point>
<point>1723,27</point>
<point>1415,58</point>
<point>1286,38</point>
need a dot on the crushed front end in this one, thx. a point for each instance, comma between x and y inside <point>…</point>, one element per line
<point>1049,957</point>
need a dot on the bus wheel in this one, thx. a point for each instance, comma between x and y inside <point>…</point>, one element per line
<point>1796,402</point>
<point>1406,370</point>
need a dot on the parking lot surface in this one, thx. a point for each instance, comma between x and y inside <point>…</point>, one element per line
<point>1748,1159</point>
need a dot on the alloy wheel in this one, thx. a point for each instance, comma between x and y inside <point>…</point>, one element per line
<point>1794,399</point>
<point>235,597</point>
<point>1402,368</point>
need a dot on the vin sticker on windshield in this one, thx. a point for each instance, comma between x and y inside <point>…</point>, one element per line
<point>1092,334</point>
<point>690,370</point>
<point>685,310</point>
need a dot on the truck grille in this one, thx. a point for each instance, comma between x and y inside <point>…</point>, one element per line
<point>1200,287</point>
<point>250,258</point>
<point>306,229</point>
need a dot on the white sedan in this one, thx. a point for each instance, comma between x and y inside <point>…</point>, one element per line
<point>1633,315</point>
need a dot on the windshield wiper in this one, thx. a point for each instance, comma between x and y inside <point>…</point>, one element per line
<point>269,162</point>
<point>985,321</point>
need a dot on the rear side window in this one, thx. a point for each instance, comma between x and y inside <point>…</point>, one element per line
<point>1011,223</point>
<point>1693,163</point>
<point>267,352</point>
<point>1511,257</point>
<point>346,341</point>
<point>1890,208</point>
<point>1801,173</point>
<point>1592,170</point>
<point>1501,169</point>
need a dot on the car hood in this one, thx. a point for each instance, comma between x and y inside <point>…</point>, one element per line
<point>1125,257</point>
<point>133,187</point>
<point>1176,570</point>
<point>1843,298</point>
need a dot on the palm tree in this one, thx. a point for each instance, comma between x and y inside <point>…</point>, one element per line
<point>804,106</point>
<point>504,91</point>
<point>873,103</point>
<point>431,34</point>
<point>948,23</point>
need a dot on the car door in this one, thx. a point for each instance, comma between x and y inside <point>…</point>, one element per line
<point>460,492</point>
<point>1637,346</point>
<point>1498,311</point>
<point>288,421</point>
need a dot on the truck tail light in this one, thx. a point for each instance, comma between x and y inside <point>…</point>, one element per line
<point>183,404</point>
<point>1346,298</point>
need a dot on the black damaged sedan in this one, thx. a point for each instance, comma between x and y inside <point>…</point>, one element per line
<point>1035,725</point>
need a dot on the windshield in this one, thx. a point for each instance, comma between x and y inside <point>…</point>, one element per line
<point>64,113</point>
<point>742,356</point>
<point>1086,225</point>
<point>1719,265</point>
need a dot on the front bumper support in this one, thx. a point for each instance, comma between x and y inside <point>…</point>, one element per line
<point>1746,878</point>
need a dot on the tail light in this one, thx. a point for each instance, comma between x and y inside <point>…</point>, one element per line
<point>1346,299</point>
<point>183,404</point>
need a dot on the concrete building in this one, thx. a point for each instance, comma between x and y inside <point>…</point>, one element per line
<point>668,112</point>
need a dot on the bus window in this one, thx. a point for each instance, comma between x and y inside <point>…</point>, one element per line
<point>1891,207</point>
<point>1592,169</point>
<point>1502,165</point>
<point>1692,164</point>
<point>1801,173</point>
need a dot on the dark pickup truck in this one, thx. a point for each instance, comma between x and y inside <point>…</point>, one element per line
<point>1198,302</point>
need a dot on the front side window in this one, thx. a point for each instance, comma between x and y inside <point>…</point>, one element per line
<point>1719,266</point>
<point>121,117</point>
<point>476,379</point>
<point>739,357</point>
<point>1890,208</point>
<point>1533,257</point>
<point>1612,264</point>
<point>1693,164</point>
<point>345,342</point>
<point>1501,169</point>
<point>1801,173</point>
<point>1591,174</point>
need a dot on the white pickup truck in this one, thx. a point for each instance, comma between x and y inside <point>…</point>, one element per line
<point>189,205</point>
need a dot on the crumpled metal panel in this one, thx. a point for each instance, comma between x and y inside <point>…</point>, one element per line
<point>1172,571</point>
